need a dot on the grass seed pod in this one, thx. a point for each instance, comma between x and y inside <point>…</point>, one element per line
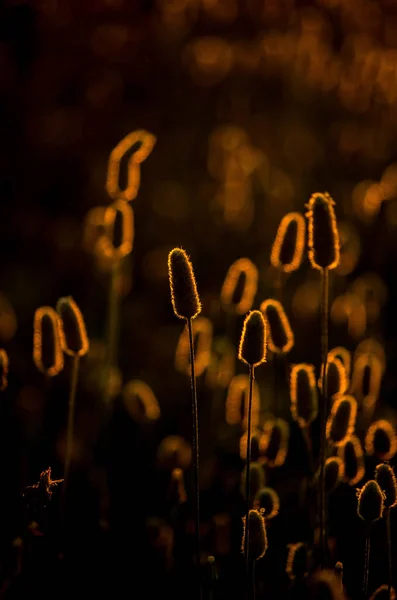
<point>342,420</point>
<point>334,473</point>
<point>268,501</point>
<point>370,502</point>
<point>257,480</point>
<point>237,402</point>
<point>174,452</point>
<point>289,244</point>
<point>143,143</point>
<point>243,267</point>
<point>3,369</point>
<point>344,355</point>
<point>184,297</point>
<point>47,347</point>
<point>274,442</point>
<point>382,593</point>
<point>366,380</point>
<point>202,332</point>
<point>336,378</point>
<point>323,236</point>
<point>297,567</point>
<point>385,477</point>
<point>257,538</point>
<point>252,348</point>
<point>73,334</point>
<point>140,401</point>
<point>381,440</point>
<point>303,392</point>
<point>352,454</point>
<point>119,231</point>
<point>280,337</point>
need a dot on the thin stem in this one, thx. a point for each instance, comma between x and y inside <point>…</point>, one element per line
<point>71,411</point>
<point>323,412</point>
<point>195,450</point>
<point>388,537</point>
<point>247,478</point>
<point>366,564</point>
<point>253,581</point>
<point>112,326</point>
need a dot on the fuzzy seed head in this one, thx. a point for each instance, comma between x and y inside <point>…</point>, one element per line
<point>257,538</point>
<point>268,501</point>
<point>252,348</point>
<point>297,566</point>
<point>381,440</point>
<point>334,472</point>
<point>303,392</point>
<point>280,337</point>
<point>74,339</point>
<point>370,502</point>
<point>274,442</point>
<point>289,244</point>
<point>385,477</point>
<point>344,356</point>
<point>184,296</point>
<point>47,345</point>
<point>243,267</point>
<point>323,240</point>
<point>336,378</point>
<point>3,369</point>
<point>352,454</point>
<point>342,420</point>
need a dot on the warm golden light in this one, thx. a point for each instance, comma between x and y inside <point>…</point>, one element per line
<point>241,267</point>
<point>303,391</point>
<point>280,337</point>
<point>47,345</point>
<point>278,256</point>
<point>381,440</point>
<point>202,336</point>
<point>237,402</point>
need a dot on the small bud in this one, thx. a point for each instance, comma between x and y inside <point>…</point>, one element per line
<point>370,502</point>
<point>47,350</point>
<point>280,337</point>
<point>381,440</point>
<point>252,349</point>
<point>184,296</point>
<point>323,241</point>
<point>257,538</point>
<point>385,477</point>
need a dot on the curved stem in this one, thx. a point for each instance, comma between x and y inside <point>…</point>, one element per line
<point>247,478</point>
<point>195,450</point>
<point>323,412</point>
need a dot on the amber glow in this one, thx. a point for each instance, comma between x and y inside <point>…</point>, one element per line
<point>344,427</point>
<point>202,332</point>
<point>370,440</point>
<point>255,438</point>
<point>326,198</point>
<point>112,182</point>
<point>56,365</point>
<point>304,404</point>
<point>246,267</point>
<point>275,256</point>
<point>106,242</point>
<point>3,369</point>
<point>140,401</point>
<point>222,365</point>
<point>336,377</point>
<point>237,402</point>
<point>356,447</point>
<point>67,307</point>
<point>345,356</point>
<point>287,332</point>
<point>370,364</point>
<point>267,500</point>
<point>276,432</point>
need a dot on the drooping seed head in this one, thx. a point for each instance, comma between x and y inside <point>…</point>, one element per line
<point>303,392</point>
<point>334,472</point>
<point>241,267</point>
<point>352,454</point>
<point>274,442</point>
<point>47,348</point>
<point>3,369</point>
<point>177,492</point>
<point>74,339</point>
<point>174,452</point>
<point>385,477</point>
<point>184,296</point>
<point>297,566</point>
<point>342,420</point>
<point>370,502</point>
<point>382,593</point>
<point>268,501</point>
<point>280,337</point>
<point>257,480</point>
<point>289,244</point>
<point>381,440</point>
<point>140,401</point>
<point>257,538</point>
<point>255,450</point>
<point>323,236</point>
<point>252,348</point>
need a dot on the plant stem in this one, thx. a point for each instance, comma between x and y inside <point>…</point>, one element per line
<point>253,581</point>
<point>366,564</point>
<point>71,412</point>
<point>247,478</point>
<point>113,327</point>
<point>195,451</point>
<point>388,537</point>
<point>323,412</point>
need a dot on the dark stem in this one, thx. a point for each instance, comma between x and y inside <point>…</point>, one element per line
<point>71,412</point>
<point>253,581</point>
<point>247,478</point>
<point>388,537</point>
<point>112,326</point>
<point>195,451</point>
<point>366,564</point>
<point>323,413</point>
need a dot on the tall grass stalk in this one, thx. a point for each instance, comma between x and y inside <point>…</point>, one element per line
<point>71,414</point>
<point>248,461</point>
<point>112,326</point>
<point>324,409</point>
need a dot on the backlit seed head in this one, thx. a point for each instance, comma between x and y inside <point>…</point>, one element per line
<point>297,566</point>
<point>47,348</point>
<point>342,420</point>
<point>257,480</point>
<point>366,381</point>
<point>280,337</point>
<point>73,334</point>
<point>370,502</point>
<point>252,348</point>
<point>323,236</point>
<point>257,538</point>
<point>334,472</point>
<point>303,392</point>
<point>140,401</point>
<point>243,267</point>
<point>119,231</point>
<point>289,244</point>
<point>381,440</point>
<point>336,378</point>
<point>385,477</point>
<point>352,454</point>
<point>184,296</point>
<point>3,369</point>
<point>274,442</point>
<point>267,500</point>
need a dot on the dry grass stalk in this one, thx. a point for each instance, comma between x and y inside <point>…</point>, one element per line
<point>342,420</point>
<point>352,454</point>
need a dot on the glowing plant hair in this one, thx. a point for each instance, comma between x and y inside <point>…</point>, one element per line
<point>267,500</point>
<point>366,380</point>
<point>345,356</point>
<point>385,477</point>
<point>323,236</point>
<point>140,401</point>
<point>242,266</point>
<point>352,454</point>
<point>297,566</point>
<point>336,378</point>
<point>174,452</point>
<point>47,348</point>
<point>334,472</point>
<point>252,348</point>
<point>3,369</point>
<point>184,297</point>
<point>280,337</point>
<point>370,502</point>
<point>274,442</point>
<point>118,238</point>
<point>237,394</point>
<point>73,334</point>
<point>342,420</point>
<point>146,143</point>
<point>257,538</point>
<point>289,244</point>
<point>381,440</point>
<point>303,391</point>
<point>202,330</point>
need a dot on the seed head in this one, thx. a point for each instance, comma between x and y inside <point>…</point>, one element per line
<point>323,240</point>
<point>268,501</point>
<point>289,244</point>
<point>257,538</point>
<point>297,566</point>
<point>280,336</point>
<point>303,391</point>
<point>140,401</point>
<point>385,477</point>
<point>381,440</point>
<point>334,472</point>
<point>243,267</point>
<point>74,339</point>
<point>119,231</point>
<point>370,502</point>
<point>184,296</point>
<point>252,349</point>
<point>351,452</point>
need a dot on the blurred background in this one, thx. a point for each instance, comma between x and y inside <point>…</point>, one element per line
<point>255,105</point>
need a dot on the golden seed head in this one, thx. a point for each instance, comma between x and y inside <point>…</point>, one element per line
<point>257,538</point>
<point>385,477</point>
<point>342,420</point>
<point>323,238</point>
<point>381,440</point>
<point>252,348</point>
<point>370,502</point>
<point>73,334</point>
<point>303,391</point>
<point>289,244</point>
<point>184,296</point>
<point>47,346</point>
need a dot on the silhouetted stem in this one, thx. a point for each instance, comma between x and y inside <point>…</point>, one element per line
<point>247,478</point>
<point>195,451</point>
<point>388,537</point>
<point>366,564</point>
<point>323,413</point>
<point>71,412</point>
<point>113,326</point>
<point>253,581</point>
